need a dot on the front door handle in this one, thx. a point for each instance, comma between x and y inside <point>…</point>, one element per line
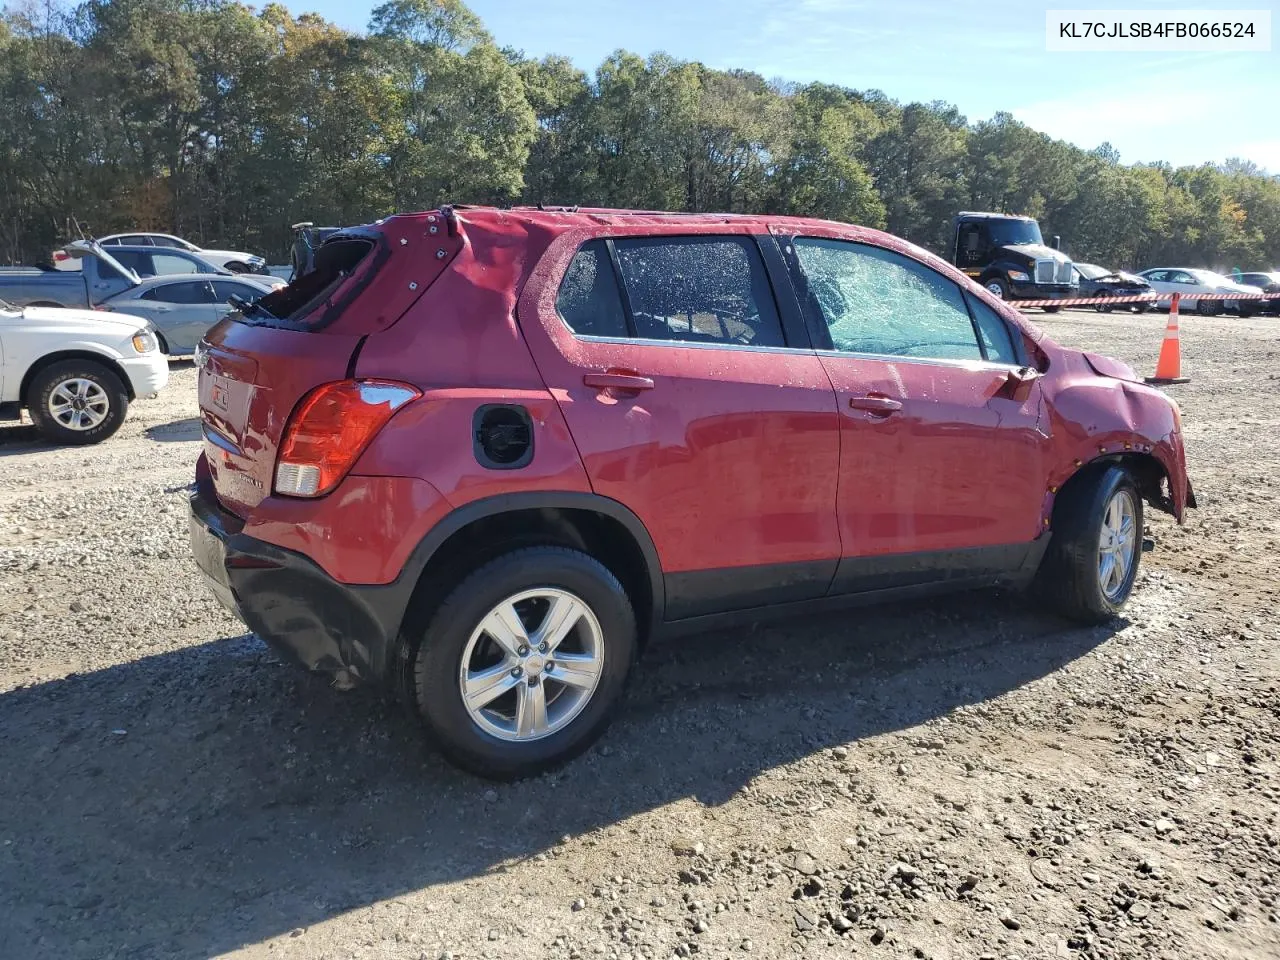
<point>880,406</point>
<point>618,381</point>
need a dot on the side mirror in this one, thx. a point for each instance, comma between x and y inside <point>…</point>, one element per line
<point>1057,242</point>
<point>1020,381</point>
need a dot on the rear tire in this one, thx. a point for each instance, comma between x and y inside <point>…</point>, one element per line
<point>460,648</point>
<point>77,402</point>
<point>1074,577</point>
<point>1050,309</point>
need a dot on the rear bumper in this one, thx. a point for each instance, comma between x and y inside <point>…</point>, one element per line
<point>290,602</point>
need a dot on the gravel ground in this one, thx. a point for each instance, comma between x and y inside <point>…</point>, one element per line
<point>963,779</point>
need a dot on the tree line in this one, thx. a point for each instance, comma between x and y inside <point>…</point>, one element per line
<point>224,124</point>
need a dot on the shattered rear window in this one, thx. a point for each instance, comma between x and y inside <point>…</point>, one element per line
<point>336,260</point>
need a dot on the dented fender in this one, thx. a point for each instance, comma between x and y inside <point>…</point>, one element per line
<point>1099,411</point>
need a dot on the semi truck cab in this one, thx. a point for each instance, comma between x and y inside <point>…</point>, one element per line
<point>1008,256</point>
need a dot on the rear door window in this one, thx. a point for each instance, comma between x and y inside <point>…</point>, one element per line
<point>139,263</point>
<point>873,301</point>
<point>589,301</point>
<point>191,291</point>
<point>224,290</point>
<point>710,289</point>
<point>165,264</point>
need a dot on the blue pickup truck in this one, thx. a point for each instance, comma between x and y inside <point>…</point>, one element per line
<point>99,277</point>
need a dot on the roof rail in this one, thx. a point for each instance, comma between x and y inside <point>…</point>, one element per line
<point>617,212</point>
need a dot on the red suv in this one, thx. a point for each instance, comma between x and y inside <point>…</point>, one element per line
<point>482,456</point>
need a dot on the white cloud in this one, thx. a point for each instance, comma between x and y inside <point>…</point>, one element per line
<point>1169,117</point>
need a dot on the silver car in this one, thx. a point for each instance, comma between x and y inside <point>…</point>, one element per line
<point>182,308</point>
<point>1199,286</point>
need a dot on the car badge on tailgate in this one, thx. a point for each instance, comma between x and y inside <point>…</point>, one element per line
<point>218,394</point>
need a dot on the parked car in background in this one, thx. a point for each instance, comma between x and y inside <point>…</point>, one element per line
<point>306,237</point>
<point>1096,281</point>
<point>159,262</point>
<point>93,276</point>
<point>100,278</point>
<point>1189,281</point>
<point>75,371</point>
<point>628,425</point>
<point>1267,283</point>
<point>182,309</point>
<point>236,261</point>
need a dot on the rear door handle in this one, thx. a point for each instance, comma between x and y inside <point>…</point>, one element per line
<point>618,381</point>
<point>881,406</point>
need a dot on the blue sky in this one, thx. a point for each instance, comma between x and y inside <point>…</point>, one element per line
<point>1184,108</point>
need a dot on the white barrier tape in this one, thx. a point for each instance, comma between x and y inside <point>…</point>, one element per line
<point>1141,298</point>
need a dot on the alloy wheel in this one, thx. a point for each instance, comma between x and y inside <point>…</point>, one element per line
<point>531,665</point>
<point>79,404</point>
<point>1117,544</point>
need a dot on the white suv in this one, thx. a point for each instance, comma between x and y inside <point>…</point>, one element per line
<point>75,371</point>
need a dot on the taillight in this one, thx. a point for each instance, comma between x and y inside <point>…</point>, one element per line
<point>330,429</point>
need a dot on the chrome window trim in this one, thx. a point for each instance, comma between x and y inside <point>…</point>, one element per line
<point>805,351</point>
<point>973,365</point>
<point>687,344</point>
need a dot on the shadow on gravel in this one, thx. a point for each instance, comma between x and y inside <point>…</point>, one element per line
<point>189,803</point>
<point>21,438</point>
<point>175,430</point>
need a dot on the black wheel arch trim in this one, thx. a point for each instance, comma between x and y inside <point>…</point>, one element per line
<point>469,513</point>
<point>299,609</point>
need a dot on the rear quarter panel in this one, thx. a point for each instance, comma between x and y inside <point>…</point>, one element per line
<point>460,344</point>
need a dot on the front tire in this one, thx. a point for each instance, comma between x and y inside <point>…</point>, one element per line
<point>77,402</point>
<point>523,664</point>
<point>997,286</point>
<point>1208,308</point>
<point>1092,562</point>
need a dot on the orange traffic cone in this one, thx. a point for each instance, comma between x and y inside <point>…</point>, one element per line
<point>1169,366</point>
